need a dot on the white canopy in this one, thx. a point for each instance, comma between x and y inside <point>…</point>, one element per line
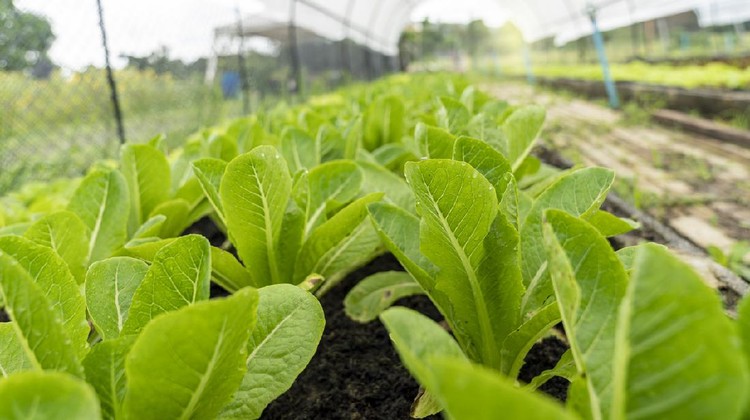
<point>378,23</point>
<point>727,12</point>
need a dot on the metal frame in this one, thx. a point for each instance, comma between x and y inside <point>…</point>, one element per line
<point>609,84</point>
<point>110,77</point>
<point>293,48</point>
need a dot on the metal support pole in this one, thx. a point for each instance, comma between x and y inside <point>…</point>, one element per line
<point>529,67</point>
<point>614,100</point>
<point>664,37</point>
<point>293,48</point>
<point>371,72</point>
<point>346,51</point>
<point>740,32</point>
<point>634,39</point>
<point>244,85</point>
<point>111,77</point>
<point>368,62</point>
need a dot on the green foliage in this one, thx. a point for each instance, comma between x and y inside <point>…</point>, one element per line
<point>146,172</point>
<point>104,368</point>
<point>662,316</point>
<point>27,39</point>
<point>44,305</point>
<point>735,259</point>
<point>102,202</point>
<point>46,396</point>
<point>254,191</point>
<point>471,392</point>
<point>425,167</point>
<point>110,286</point>
<point>188,363</point>
<point>671,319</point>
<point>64,233</point>
<point>580,260</point>
<point>377,292</point>
<point>716,75</point>
<point>178,276</point>
<point>165,350</point>
<point>290,324</point>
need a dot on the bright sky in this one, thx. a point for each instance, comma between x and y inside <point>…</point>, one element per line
<point>138,27</point>
<point>452,11</point>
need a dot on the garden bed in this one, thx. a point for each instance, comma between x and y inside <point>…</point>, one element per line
<point>709,102</point>
<point>731,286</point>
<point>356,372</point>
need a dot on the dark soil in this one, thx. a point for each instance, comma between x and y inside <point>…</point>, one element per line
<point>356,372</point>
<point>545,355</point>
<point>207,228</point>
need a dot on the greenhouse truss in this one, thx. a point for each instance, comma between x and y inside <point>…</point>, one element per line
<point>378,24</point>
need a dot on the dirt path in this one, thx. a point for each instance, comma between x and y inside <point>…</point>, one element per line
<point>697,185</point>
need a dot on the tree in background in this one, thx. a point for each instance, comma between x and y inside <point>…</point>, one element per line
<point>25,39</point>
<point>160,62</point>
<point>427,41</point>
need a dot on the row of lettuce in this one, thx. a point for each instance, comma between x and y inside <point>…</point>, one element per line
<point>712,75</point>
<point>109,302</point>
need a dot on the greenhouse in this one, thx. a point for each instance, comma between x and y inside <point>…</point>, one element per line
<point>375,209</point>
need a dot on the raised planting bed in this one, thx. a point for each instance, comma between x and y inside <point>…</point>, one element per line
<point>709,102</point>
<point>702,126</point>
<point>257,271</point>
<point>731,286</point>
<point>357,374</point>
<point>740,61</point>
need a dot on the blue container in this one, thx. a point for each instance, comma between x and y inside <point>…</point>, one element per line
<point>230,84</point>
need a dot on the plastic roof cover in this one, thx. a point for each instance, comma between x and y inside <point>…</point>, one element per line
<point>726,12</point>
<point>378,23</point>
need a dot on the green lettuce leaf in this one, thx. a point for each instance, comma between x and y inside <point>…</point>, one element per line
<point>47,396</point>
<point>65,234</point>
<point>473,392</point>
<point>110,286</point>
<point>45,305</point>
<point>255,190</point>
<point>209,172</point>
<point>179,276</point>
<point>330,185</point>
<point>589,283</point>
<point>290,325</point>
<point>579,193</point>
<point>104,368</point>
<point>475,251</point>
<point>188,363</point>
<point>341,244</point>
<point>102,202</point>
<point>521,130</point>
<point>148,177</point>
<point>299,149</point>
<point>670,319</point>
<point>376,293</point>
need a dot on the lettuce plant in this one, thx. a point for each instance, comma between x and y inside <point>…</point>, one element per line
<point>114,211</point>
<point>474,234</point>
<point>465,251</point>
<point>648,339</point>
<point>286,228</point>
<point>158,349</point>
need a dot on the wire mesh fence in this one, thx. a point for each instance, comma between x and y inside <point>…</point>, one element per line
<point>179,65</point>
<point>175,67</point>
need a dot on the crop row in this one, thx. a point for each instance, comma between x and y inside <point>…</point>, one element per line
<point>111,310</point>
<point>713,75</point>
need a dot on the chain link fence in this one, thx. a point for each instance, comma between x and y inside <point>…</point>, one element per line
<point>77,80</point>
